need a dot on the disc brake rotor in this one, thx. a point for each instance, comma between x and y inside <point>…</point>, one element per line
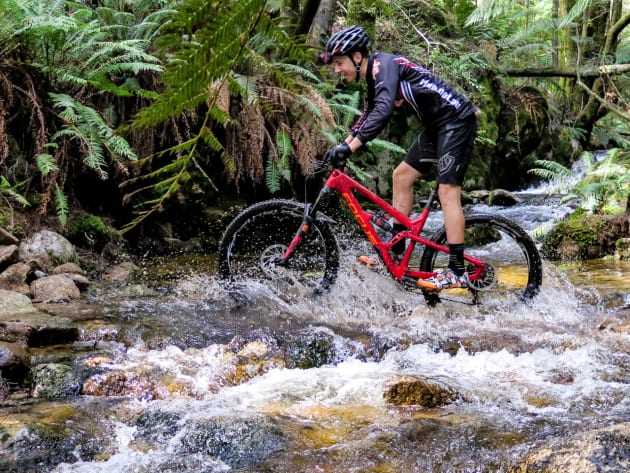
<point>268,259</point>
<point>487,281</point>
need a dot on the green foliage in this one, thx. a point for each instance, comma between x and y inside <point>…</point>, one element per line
<point>208,48</point>
<point>61,205</point>
<point>88,129</point>
<point>89,229</point>
<point>10,192</point>
<point>603,189</point>
<point>278,164</point>
<point>79,56</point>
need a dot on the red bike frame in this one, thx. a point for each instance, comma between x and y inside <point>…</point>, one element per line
<point>348,187</point>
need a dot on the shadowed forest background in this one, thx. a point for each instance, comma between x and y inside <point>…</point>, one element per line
<point>150,122</point>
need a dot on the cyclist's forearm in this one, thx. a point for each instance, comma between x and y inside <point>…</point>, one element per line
<point>353,142</point>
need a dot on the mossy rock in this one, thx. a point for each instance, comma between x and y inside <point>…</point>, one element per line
<point>585,236</point>
<point>90,231</point>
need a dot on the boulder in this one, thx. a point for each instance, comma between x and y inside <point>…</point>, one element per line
<point>21,322</point>
<point>16,277</point>
<point>501,197</point>
<point>48,249</point>
<point>68,268</point>
<point>9,254</point>
<point>121,273</point>
<point>13,304</point>
<point>56,288</point>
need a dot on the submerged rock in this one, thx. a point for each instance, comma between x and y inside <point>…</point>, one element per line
<point>54,380</point>
<point>601,450</point>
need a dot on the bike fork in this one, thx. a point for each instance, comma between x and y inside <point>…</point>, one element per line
<point>309,211</point>
<point>297,239</point>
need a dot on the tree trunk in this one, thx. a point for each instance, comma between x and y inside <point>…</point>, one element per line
<point>321,24</point>
<point>593,110</point>
<point>307,17</point>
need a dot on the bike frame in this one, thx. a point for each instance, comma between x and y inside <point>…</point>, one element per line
<point>349,188</point>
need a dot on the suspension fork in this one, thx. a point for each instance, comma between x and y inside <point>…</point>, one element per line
<point>310,213</point>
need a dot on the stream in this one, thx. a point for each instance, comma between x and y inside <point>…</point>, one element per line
<point>252,381</point>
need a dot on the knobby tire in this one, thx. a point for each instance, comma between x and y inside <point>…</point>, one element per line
<point>495,229</point>
<point>262,232</point>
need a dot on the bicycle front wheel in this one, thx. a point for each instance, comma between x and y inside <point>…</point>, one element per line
<point>255,240</point>
<point>513,264</point>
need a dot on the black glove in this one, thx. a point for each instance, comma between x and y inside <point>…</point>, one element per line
<point>337,155</point>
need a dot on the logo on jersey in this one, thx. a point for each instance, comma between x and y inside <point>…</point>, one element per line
<point>445,163</point>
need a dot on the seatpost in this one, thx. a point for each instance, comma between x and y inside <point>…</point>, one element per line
<point>432,196</point>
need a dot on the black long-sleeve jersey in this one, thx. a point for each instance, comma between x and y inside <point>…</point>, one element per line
<point>390,78</point>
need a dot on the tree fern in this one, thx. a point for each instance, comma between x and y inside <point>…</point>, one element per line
<point>88,129</point>
<point>561,176</point>
<point>209,47</point>
<point>603,187</point>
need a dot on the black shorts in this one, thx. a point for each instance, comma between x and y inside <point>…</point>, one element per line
<point>450,147</point>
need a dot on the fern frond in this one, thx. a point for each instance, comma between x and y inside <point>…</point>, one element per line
<point>46,163</point>
<point>6,189</point>
<point>61,205</point>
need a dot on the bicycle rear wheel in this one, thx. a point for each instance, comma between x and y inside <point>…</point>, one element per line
<point>513,261</point>
<point>258,236</point>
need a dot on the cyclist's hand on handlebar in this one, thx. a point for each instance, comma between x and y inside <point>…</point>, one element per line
<point>337,155</point>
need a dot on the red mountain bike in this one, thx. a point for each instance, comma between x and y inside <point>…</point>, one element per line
<point>288,242</point>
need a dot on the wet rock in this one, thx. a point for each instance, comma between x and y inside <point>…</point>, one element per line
<point>311,350</point>
<point>57,433</point>
<point>54,380</point>
<point>411,390</point>
<point>55,288</point>
<point>15,362</point>
<point>238,442</point>
<point>106,384</point>
<point>501,197</point>
<point>16,277</point>
<point>479,195</point>
<point>68,268</point>
<point>20,322</point>
<point>48,249</point>
<point>601,450</point>
<point>254,359</point>
<point>13,303</point>
<point>121,273</point>
<point>8,255</point>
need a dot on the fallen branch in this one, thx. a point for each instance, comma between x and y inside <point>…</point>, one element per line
<point>590,72</point>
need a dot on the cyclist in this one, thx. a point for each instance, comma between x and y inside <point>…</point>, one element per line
<point>450,127</point>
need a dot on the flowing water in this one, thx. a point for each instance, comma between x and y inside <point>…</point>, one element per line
<point>525,375</point>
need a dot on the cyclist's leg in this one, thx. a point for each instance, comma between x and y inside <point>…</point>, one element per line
<point>419,159</point>
<point>454,148</point>
<point>402,185</point>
